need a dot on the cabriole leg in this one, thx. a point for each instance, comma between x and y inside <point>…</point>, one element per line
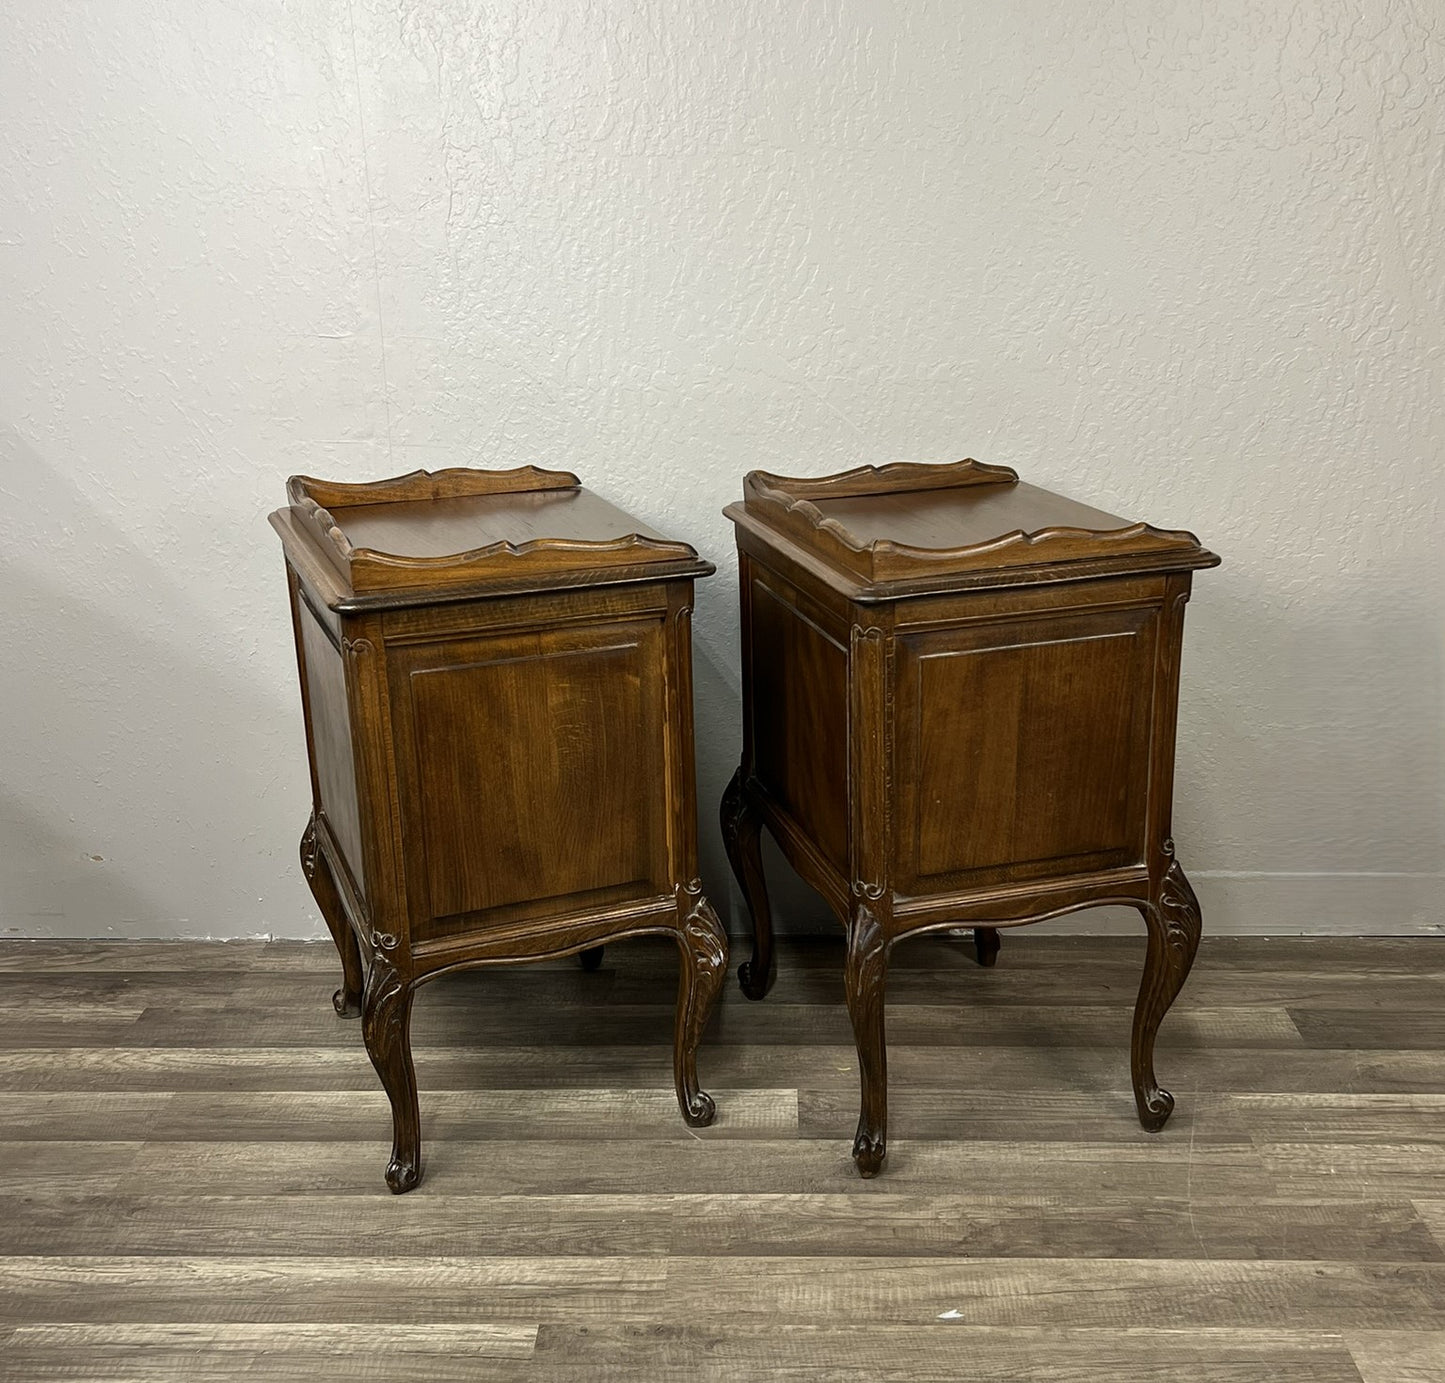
<point>864,974</point>
<point>347,1000</point>
<point>704,946</point>
<point>386,1027</point>
<point>741,830</point>
<point>1174,923</point>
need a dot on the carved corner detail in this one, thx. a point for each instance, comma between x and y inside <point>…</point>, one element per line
<point>1178,906</point>
<point>356,649</point>
<point>702,931</point>
<point>310,849</point>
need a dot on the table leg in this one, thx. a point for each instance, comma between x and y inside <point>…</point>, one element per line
<point>386,1027</point>
<point>347,1000</point>
<point>864,973</point>
<point>1174,923</point>
<point>986,945</point>
<point>704,946</point>
<point>741,830</point>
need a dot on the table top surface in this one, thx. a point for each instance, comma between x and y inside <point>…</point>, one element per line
<point>940,520</point>
<point>887,529</point>
<point>459,533</point>
<point>450,527</point>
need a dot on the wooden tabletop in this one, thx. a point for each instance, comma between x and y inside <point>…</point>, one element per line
<point>459,533</point>
<point>893,527</point>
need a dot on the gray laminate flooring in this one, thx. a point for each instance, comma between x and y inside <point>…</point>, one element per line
<point>192,1146</point>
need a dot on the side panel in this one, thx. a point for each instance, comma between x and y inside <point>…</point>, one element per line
<point>800,714</point>
<point>333,766</point>
<point>1024,747</point>
<point>532,772</point>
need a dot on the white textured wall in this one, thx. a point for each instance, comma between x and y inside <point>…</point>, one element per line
<point>1183,267</point>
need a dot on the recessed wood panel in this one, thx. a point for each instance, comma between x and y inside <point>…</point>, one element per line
<point>331,739</point>
<point>800,719</point>
<point>1027,749</point>
<point>537,767</point>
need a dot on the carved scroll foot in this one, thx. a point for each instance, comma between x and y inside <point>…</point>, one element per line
<point>1174,924</point>
<point>741,830</point>
<point>864,974</point>
<point>704,946</point>
<point>347,1000</point>
<point>401,1176</point>
<point>986,945</point>
<point>754,980</point>
<point>386,1027</point>
<point>591,958</point>
<point>868,1154</point>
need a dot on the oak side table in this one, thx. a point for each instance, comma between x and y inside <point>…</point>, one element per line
<point>959,700</point>
<point>496,677</point>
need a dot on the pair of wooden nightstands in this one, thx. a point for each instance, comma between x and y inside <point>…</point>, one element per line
<point>959,705</point>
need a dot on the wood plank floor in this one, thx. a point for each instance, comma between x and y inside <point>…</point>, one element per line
<point>193,1146</point>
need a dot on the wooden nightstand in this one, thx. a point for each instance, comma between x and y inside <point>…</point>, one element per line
<point>959,698</point>
<point>496,673</point>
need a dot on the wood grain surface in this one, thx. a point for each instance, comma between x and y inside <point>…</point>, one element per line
<point>191,1138</point>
